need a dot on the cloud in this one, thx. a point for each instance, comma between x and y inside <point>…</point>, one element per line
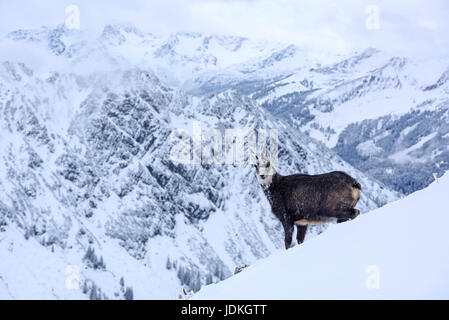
<point>409,26</point>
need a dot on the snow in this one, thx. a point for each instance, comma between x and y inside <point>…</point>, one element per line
<point>368,149</point>
<point>30,271</point>
<point>396,252</point>
<point>404,155</point>
<point>372,106</point>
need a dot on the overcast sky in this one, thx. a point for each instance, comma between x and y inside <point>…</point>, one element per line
<point>421,27</point>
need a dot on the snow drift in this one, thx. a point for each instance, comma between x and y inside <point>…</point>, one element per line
<point>399,251</point>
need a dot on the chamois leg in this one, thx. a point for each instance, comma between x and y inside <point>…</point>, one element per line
<point>288,231</point>
<point>347,214</point>
<point>300,233</point>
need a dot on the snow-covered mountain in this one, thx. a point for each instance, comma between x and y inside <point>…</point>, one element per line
<point>86,164</point>
<point>86,178</point>
<point>395,252</point>
<point>371,107</point>
<point>386,115</point>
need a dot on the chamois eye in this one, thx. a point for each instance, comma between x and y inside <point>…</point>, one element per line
<point>267,165</point>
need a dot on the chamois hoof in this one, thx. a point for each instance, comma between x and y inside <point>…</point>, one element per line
<point>341,220</point>
<point>239,269</point>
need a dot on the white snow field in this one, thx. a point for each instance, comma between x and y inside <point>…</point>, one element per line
<point>400,251</point>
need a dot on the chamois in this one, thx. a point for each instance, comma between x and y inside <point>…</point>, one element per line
<point>303,200</point>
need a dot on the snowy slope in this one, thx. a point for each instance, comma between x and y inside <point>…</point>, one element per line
<point>31,271</point>
<point>396,252</point>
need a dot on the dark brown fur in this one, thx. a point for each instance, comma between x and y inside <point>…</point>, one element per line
<point>303,199</point>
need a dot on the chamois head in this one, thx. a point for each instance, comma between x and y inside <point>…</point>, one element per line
<point>264,170</point>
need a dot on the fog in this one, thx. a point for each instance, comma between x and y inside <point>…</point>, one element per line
<point>409,27</point>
